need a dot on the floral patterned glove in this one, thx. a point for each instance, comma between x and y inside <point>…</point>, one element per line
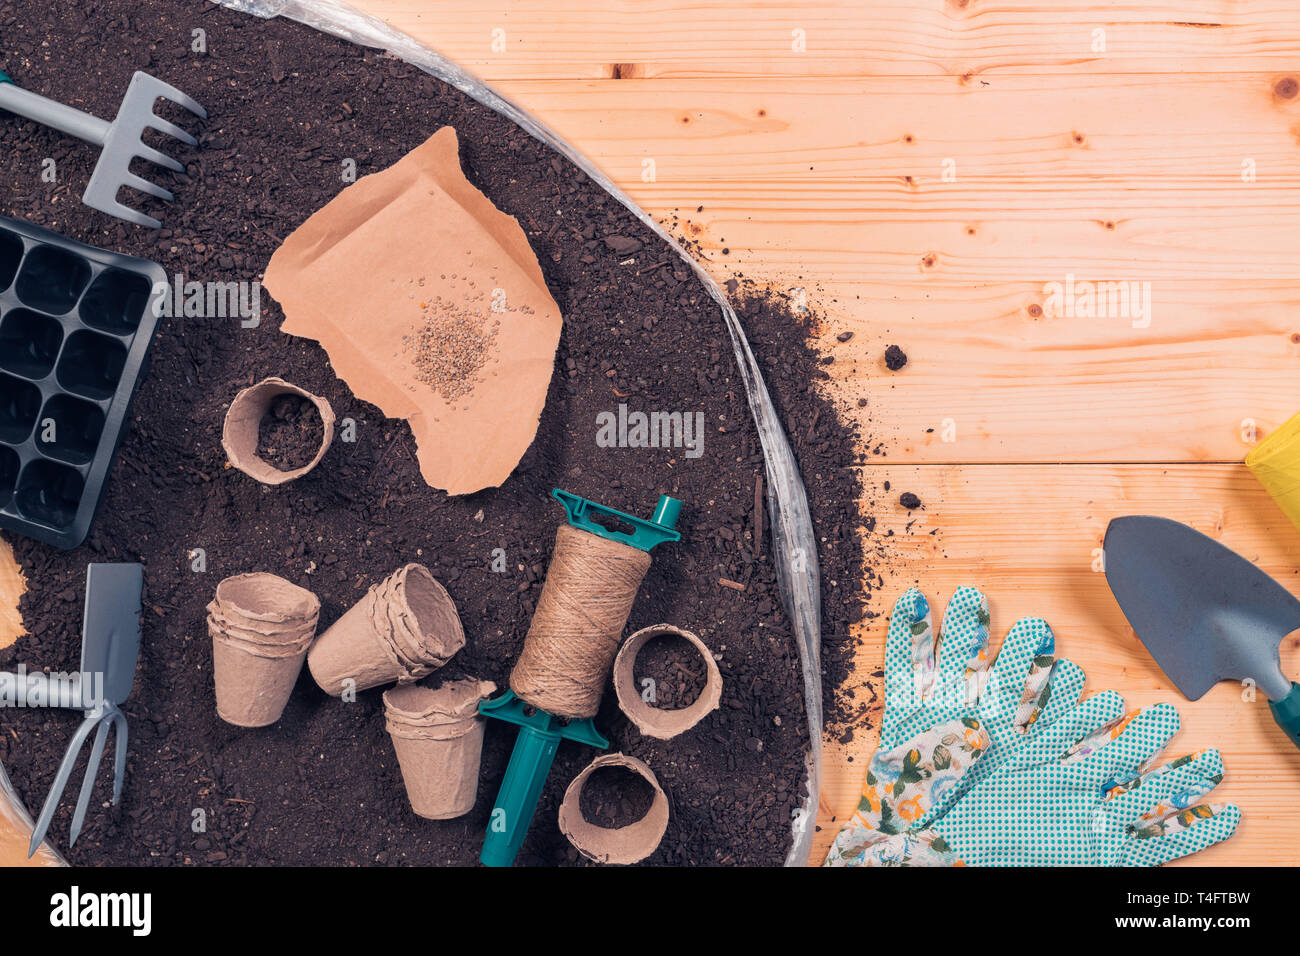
<point>948,722</point>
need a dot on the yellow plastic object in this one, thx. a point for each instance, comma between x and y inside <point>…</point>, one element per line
<point>1275,462</point>
<point>16,831</point>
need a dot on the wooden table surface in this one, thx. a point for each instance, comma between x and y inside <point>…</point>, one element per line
<point>926,170</point>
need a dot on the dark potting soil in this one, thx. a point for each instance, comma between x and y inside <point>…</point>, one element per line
<point>615,797</point>
<point>290,111</point>
<point>290,432</point>
<point>895,358</point>
<point>673,664</point>
<point>909,500</point>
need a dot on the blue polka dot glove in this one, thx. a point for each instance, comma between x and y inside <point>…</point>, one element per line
<point>1079,794</point>
<point>950,720</point>
<point>1006,766</point>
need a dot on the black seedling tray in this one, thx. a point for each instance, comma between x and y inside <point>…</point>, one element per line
<point>75,327</point>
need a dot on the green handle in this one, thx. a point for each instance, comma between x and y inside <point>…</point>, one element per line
<point>644,535</point>
<point>539,737</point>
<point>4,78</point>
<point>1287,713</point>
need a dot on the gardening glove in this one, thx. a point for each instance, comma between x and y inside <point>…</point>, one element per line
<point>947,722</point>
<point>1079,793</point>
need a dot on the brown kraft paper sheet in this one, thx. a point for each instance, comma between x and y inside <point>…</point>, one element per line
<point>432,306</point>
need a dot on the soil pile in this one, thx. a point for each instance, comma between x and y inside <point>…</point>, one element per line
<point>674,665</point>
<point>615,797</point>
<point>290,433</point>
<point>291,111</point>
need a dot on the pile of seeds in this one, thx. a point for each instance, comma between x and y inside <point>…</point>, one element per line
<point>451,346</point>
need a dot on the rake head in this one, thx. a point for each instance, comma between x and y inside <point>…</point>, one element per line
<point>124,142</point>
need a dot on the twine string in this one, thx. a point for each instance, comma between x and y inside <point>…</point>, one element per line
<point>590,587</point>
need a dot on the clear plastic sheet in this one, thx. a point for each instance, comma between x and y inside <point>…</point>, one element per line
<point>16,831</point>
<point>794,544</point>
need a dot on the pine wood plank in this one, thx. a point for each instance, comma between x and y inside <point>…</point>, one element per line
<point>11,589</point>
<point>583,39</point>
<point>988,381</point>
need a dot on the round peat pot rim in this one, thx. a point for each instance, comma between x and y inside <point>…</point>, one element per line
<point>624,845</point>
<point>241,432</point>
<point>443,713</point>
<point>455,702</point>
<point>426,614</point>
<point>658,722</point>
<point>262,597</point>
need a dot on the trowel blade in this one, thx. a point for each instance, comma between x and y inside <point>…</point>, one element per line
<point>1204,612</point>
<point>110,637</point>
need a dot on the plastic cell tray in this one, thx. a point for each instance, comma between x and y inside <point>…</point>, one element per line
<point>75,328</point>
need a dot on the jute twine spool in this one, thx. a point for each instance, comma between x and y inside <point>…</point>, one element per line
<point>589,590</point>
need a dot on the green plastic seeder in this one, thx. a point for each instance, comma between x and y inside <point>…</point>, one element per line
<point>540,733</point>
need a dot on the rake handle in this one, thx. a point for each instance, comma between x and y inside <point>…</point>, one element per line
<point>65,119</point>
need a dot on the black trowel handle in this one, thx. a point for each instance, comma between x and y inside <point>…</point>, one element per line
<point>1287,713</point>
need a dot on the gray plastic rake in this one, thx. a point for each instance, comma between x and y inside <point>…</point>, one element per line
<point>120,140</point>
<point>110,646</point>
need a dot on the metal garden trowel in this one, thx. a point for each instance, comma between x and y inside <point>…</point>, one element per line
<point>110,646</point>
<point>1204,612</point>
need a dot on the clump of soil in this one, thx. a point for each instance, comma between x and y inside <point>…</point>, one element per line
<point>290,433</point>
<point>674,664</point>
<point>615,797</point>
<point>895,358</point>
<point>290,108</point>
<point>909,501</point>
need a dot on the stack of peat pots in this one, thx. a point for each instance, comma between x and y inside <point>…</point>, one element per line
<point>261,627</point>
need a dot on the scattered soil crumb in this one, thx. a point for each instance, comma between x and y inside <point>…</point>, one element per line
<point>895,358</point>
<point>909,501</point>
